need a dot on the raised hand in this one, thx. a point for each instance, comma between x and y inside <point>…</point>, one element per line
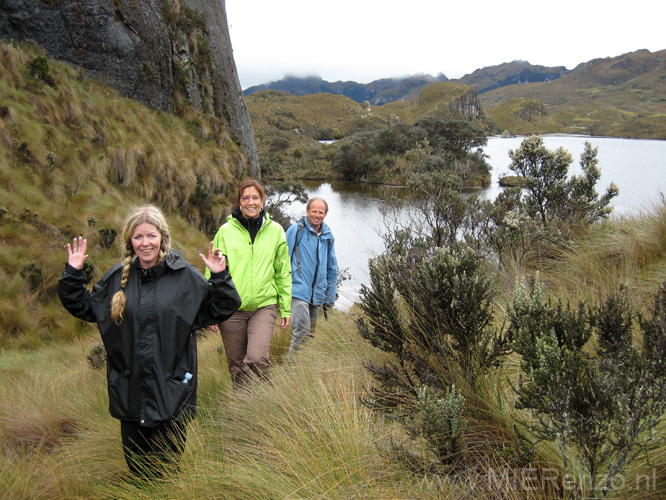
<point>76,252</point>
<point>216,262</point>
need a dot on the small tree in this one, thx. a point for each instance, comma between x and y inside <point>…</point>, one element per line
<point>584,204</point>
<point>281,194</point>
<point>550,208</point>
<point>545,173</point>
<point>602,400</point>
<point>552,197</point>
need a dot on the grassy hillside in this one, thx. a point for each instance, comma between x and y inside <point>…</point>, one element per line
<point>620,97</point>
<point>74,157</point>
<point>288,129</point>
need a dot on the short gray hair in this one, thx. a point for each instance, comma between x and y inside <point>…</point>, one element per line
<point>316,198</point>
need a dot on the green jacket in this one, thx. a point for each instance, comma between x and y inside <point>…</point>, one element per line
<point>261,270</point>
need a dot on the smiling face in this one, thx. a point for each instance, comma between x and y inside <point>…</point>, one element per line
<point>316,213</point>
<point>146,241</point>
<point>251,202</point>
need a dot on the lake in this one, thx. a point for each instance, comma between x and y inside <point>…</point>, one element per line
<point>636,166</point>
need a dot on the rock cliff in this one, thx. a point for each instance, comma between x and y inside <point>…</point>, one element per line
<point>160,52</point>
<point>468,105</point>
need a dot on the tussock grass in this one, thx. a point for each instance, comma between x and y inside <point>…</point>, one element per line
<point>77,151</point>
<point>629,251</point>
<point>304,435</point>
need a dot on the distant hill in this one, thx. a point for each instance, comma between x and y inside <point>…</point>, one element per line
<point>623,96</point>
<point>387,90</point>
<point>619,96</point>
<point>376,93</point>
<point>516,72</point>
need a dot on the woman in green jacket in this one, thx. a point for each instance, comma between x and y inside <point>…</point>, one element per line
<point>257,258</point>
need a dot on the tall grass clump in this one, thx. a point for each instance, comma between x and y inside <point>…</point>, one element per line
<point>627,251</point>
<point>305,434</point>
<point>72,149</point>
<point>52,401</point>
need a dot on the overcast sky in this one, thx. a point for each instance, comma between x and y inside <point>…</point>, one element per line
<point>364,40</point>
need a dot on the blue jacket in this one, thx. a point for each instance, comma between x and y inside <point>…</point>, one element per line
<point>314,268</point>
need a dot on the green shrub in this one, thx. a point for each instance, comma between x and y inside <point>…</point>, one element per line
<point>443,424</point>
<point>430,308</point>
<point>588,386</point>
<point>39,70</point>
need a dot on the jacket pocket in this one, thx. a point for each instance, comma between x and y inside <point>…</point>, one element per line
<point>119,395</point>
<point>181,393</point>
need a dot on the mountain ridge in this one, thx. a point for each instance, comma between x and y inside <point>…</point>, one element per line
<point>618,96</point>
<point>385,90</point>
<point>483,80</point>
<point>376,93</point>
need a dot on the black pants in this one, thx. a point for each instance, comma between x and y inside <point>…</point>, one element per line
<point>149,451</point>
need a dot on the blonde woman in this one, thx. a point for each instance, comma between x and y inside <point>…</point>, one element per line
<point>148,308</point>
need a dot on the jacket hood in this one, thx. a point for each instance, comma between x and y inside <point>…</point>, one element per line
<point>175,260</point>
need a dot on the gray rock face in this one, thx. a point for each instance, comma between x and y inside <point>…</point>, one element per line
<point>157,52</point>
<point>468,105</point>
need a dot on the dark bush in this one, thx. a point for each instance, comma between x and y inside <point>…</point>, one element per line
<point>108,236</point>
<point>39,70</point>
<point>587,383</point>
<point>32,274</point>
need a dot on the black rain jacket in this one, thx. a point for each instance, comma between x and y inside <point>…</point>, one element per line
<point>152,351</point>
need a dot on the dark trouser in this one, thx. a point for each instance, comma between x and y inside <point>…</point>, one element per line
<point>150,450</point>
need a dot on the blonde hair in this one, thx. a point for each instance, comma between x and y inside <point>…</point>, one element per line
<point>149,214</point>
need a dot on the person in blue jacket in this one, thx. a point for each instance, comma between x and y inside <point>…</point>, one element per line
<point>314,270</point>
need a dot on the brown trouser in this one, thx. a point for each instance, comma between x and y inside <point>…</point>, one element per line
<point>247,338</point>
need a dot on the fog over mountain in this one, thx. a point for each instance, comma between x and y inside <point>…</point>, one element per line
<point>387,90</point>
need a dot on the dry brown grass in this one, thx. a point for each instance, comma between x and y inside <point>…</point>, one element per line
<point>78,151</point>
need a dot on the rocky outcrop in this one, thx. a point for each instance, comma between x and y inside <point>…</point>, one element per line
<point>531,109</point>
<point>159,52</point>
<point>468,105</point>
